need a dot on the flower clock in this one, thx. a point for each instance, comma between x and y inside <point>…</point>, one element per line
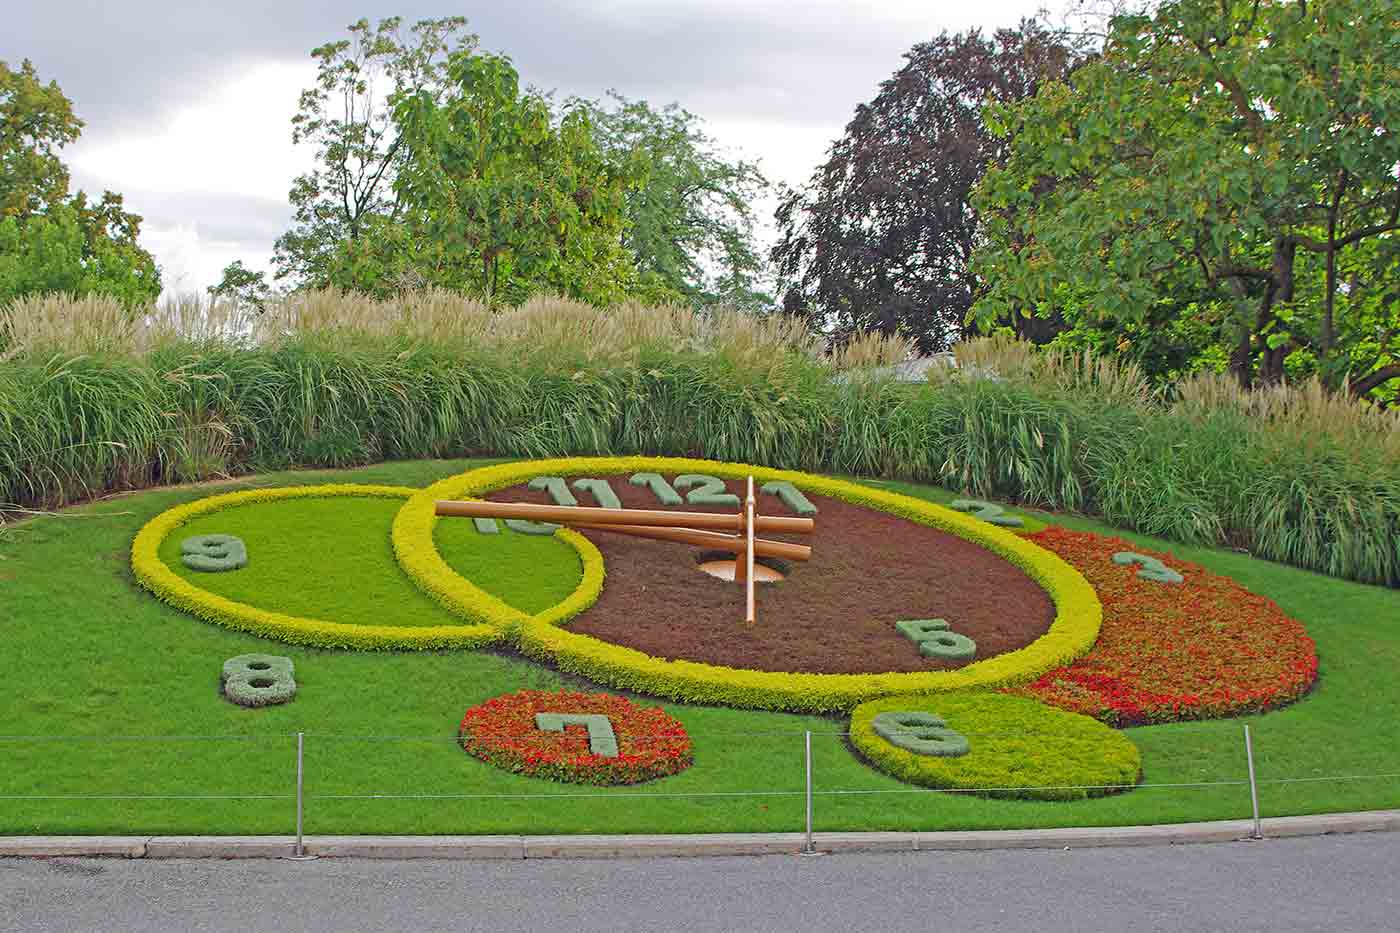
<point>973,649</point>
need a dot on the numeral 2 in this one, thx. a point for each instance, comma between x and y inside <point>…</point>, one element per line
<point>1152,568</point>
<point>709,490</point>
<point>989,512</point>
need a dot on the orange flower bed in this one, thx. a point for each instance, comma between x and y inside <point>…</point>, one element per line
<point>503,731</point>
<point>1199,649</point>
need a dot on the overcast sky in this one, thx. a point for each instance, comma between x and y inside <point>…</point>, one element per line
<point>188,104</point>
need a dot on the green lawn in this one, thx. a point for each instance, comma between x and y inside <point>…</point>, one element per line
<point>93,660</point>
<point>316,554</point>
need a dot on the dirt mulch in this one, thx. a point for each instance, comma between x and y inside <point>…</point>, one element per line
<point>833,614</point>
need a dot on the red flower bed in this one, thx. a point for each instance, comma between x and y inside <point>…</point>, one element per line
<point>502,731</point>
<point>1199,649</point>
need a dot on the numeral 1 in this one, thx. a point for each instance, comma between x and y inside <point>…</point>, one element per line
<point>600,490</point>
<point>792,497</point>
<point>659,487</point>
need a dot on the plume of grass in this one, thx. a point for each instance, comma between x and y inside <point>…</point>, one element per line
<point>94,398</point>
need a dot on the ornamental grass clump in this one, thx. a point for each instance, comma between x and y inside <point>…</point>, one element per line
<point>94,398</point>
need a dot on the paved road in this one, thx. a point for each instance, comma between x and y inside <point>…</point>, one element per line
<point>1342,883</point>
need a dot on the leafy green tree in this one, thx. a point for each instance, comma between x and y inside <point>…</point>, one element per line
<point>36,120</point>
<point>882,236</point>
<point>690,223</point>
<point>243,286</point>
<point>1232,158</point>
<point>51,240</point>
<point>348,116</point>
<point>503,200</point>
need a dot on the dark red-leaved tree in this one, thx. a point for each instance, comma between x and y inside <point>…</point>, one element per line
<point>881,236</point>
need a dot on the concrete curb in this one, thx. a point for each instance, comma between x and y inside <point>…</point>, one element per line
<point>548,847</point>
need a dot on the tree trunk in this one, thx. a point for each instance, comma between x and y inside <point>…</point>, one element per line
<point>1280,290</point>
<point>1375,380</point>
<point>1242,360</point>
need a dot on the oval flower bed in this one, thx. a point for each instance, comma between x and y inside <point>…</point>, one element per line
<point>1198,649</point>
<point>1015,746</point>
<point>504,732</point>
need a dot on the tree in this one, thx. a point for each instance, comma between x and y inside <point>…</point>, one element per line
<point>244,287</point>
<point>502,200</point>
<point>690,222</point>
<point>348,116</point>
<point>51,240</point>
<point>1229,157</point>
<point>36,121</point>
<point>882,236</point>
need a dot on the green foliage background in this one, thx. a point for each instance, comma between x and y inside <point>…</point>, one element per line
<point>1303,483</point>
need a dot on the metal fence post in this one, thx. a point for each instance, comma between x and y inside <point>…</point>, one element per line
<point>1253,785</point>
<point>811,848</point>
<point>299,855</point>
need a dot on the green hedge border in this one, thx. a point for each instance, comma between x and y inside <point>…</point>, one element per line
<point>1019,747</point>
<point>153,574</point>
<point>1072,633</point>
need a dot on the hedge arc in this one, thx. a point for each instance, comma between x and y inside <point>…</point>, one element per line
<point>1078,613</point>
<point>1017,747</point>
<point>153,574</point>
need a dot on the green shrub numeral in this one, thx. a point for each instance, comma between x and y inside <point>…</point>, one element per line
<point>921,733</point>
<point>486,526</point>
<point>935,641</point>
<point>1152,568</point>
<point>213,553</point>
<point>601,739</point>
<point>258,679</point>
<point>792,497</point>
<point>600,490</point>
<point>558,489</point>
<point>989,512</point>
<point>709,490</point>
<point>525,527</point>
<point>659,487</point>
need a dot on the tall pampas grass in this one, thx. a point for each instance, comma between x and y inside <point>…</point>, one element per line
<point>95,397</point>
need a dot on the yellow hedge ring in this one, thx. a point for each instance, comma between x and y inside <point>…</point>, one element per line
<point>1078,613</point>
<point>168,586</point>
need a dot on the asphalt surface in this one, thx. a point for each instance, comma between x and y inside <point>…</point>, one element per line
<point>1333,883</point>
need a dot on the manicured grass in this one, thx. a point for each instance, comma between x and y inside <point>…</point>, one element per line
<point>97,657</point>
<point>493,563</point>
<point>331,559</point>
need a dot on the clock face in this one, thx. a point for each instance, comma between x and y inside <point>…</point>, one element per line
<point>833,614</point>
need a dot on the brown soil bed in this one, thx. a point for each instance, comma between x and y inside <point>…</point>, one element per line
<point>833,614</point>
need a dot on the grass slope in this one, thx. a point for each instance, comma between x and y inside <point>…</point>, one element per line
<point>95,657</point>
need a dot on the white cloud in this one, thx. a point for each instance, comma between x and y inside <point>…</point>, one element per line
<point>191,262</point>
<point>237,140</point>
<point>222,162</point>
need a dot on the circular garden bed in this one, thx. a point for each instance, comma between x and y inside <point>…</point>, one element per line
<point>586,738</point>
